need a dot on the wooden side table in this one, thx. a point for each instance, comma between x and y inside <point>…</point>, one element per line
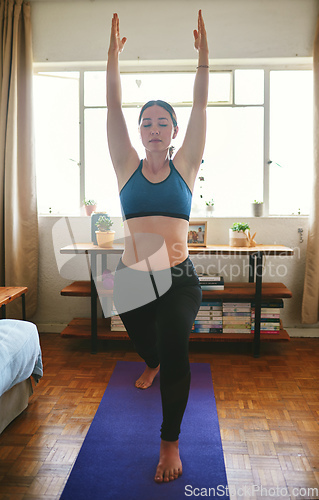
<point>10,293</point>
<point>253,290</point>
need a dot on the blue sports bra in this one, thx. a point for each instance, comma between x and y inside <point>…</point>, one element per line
<point>169,198</point>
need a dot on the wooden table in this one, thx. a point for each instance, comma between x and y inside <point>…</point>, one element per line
<point>255,255</point>
<point>10,293</point>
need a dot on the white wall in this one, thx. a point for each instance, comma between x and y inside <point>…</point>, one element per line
<point>79,30</point>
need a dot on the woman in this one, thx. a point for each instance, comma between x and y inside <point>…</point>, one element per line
<point>155,194</point>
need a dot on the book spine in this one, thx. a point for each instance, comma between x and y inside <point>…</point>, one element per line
<point>236,330</point>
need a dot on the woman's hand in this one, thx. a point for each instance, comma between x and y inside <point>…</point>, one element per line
<point>116,43</point>
<point>200,35</point>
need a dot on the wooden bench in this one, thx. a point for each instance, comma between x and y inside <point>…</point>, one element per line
<point>10,293</point>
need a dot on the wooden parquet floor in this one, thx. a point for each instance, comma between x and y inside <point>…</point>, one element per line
<point>268,413</point>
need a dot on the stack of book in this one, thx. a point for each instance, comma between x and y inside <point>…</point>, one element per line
<point>209,318</point>
<point>211,282</point>
<point>116,322</point>
<point>236,317</point>
<point>270,316</point>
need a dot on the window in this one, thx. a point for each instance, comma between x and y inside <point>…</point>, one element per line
<point>291,141</point>
<point>70,105</point>
<point>56,97</point>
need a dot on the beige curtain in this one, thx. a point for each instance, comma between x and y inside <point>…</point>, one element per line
<point>18,208</point>
<point>310,303</point>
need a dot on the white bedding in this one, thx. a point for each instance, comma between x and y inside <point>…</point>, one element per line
<point>20,353</point>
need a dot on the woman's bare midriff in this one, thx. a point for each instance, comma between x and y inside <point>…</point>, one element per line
<point>155,242</point>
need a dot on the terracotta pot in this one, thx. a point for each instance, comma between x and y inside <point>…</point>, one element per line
<point>105,238</point>
<point>89,209</point>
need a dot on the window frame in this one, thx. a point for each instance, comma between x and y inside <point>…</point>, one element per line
<point>268,65</point>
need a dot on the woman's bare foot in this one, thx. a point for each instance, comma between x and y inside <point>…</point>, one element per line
<point>147,377</point>
<point>169,465</point>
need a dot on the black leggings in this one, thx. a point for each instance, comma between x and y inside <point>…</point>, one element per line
<point>160,329</point>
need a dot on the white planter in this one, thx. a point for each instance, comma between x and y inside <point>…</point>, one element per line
<point>209,210</point>
<point>257,209</point>
<point>238,238</point>
<point>105,238</point>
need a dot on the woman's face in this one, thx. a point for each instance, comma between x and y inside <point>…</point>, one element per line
<point>157,129</point>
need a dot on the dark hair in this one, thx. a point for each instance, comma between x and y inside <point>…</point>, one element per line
<point>162,104</point>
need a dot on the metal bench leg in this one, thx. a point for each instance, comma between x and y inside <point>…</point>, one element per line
<point>23,307</point>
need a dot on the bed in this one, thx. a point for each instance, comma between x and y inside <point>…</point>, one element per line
<point>20,358</point>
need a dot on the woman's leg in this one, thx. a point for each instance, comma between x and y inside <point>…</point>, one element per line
<point>141,328</point>
<point>175,316</point>
<point>137,314</point>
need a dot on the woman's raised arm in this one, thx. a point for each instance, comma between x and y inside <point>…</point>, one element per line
<point>191,151</point>
<point>121,149</point>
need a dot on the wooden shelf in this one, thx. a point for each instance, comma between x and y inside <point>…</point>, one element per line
<point>81,328</point>
<point>77,289</point>
<point>83,289</point>
<point>232,291</point>
<point>246,291</point>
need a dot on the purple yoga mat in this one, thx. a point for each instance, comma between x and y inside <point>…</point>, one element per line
<point>119,455</point>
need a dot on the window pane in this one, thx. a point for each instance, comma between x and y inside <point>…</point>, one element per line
<point>291,141</point>
<point>233,161</point>
<point>95,88</point>
<point>56,109</point>
<point>171,87</point>
<point>249,86</point>
<point>100,180</point>
<point>143,87</point>
<point>219,90</point>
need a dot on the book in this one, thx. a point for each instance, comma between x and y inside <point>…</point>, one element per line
<point>208,330</point>
<point>278,303</point>
<point>207,279</point>
<point>235,330</point>
<point>212,287</point>
<point>231,314</point>
<point>211,303</point>
<point>236,304</point>
<point>209,313</point>
<point>210,308</point>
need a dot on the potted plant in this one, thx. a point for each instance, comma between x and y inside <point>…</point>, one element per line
<point>90,206</point>
<point>104,235</point>
<point>257,207</point>
<point>238,235</point>
<point>209,207</point>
